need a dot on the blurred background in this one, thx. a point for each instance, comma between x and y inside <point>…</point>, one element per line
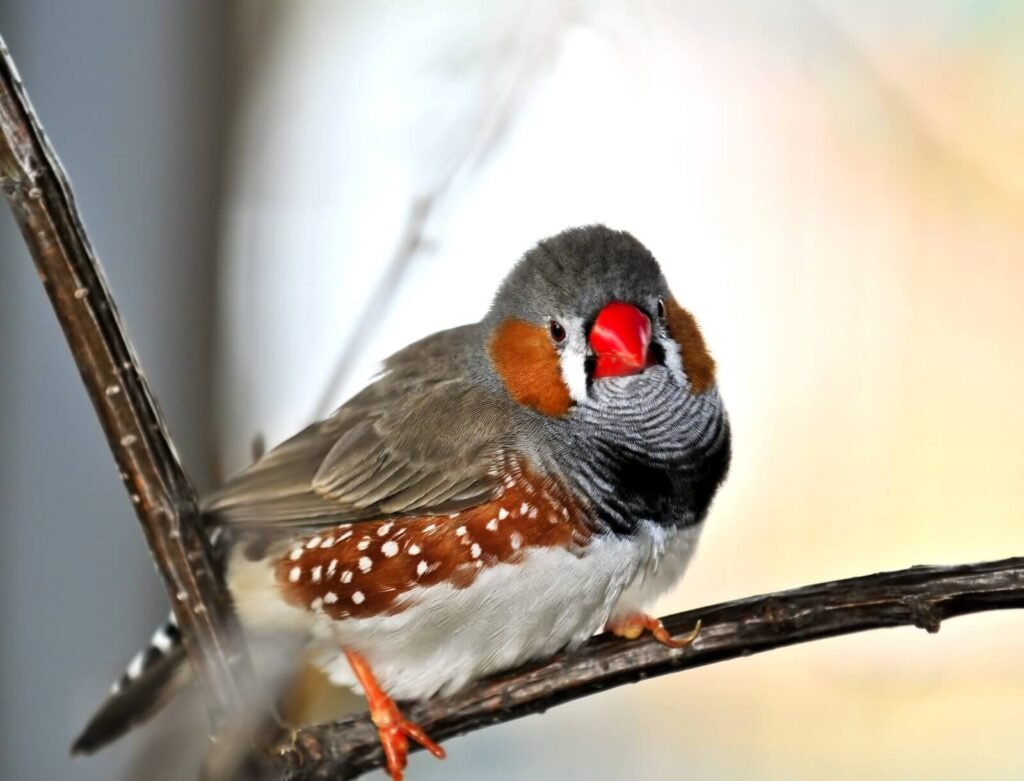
<point>282,193</point>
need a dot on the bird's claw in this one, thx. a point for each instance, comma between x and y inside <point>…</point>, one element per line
<point>395,731</point>
<point>392,727</point>
<point>635,624</point>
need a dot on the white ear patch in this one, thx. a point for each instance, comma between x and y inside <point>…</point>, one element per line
<point>573,357</point>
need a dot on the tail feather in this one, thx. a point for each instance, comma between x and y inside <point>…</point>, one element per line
<point>153,677</point>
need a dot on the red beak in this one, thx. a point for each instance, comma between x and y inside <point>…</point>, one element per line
<point>621,338</point>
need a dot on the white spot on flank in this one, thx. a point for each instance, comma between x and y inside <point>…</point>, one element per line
<point>317,573</point>
<point>346,576</point>
<point>327,543</point>
<point>430,529</point>
<point>313,542</point>
<point>454,515</point>
<point>460,531</point>
<point>113,390</point>
<point>330,598</point>
<point>421,568</point>
<point>365,564</point>
<point>357,597</point>
<point>316,604</point>
<point>492,525</point>
<point>345,536</point>
<point>533,512</point>
<point>296,554</point>
<point>389,548</point>
<point>332,567</point>
<point>517,540</point>
<point>295,574</point>
<point>475,551</point>
<point>523,508</point>
<point>363,543</point>
<point>384,529</point>
<point>414,549</point>
<point>565,512</point>
<point>128,440</point>
<point>502,514</point>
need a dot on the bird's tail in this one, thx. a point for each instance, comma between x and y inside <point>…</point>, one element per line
<point>152,678</point>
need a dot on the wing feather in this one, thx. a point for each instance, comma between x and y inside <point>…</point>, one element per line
<point>422,439</point>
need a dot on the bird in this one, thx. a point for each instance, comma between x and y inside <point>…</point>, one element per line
<point>499,493</point>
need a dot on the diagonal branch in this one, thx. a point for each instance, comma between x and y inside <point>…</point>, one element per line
<point>41,200</point>
<point>919,596</point>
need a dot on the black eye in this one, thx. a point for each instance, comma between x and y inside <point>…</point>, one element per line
<point>661,309</point>
<point>557,332</point>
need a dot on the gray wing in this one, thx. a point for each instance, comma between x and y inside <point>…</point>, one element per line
<point>422,439</point>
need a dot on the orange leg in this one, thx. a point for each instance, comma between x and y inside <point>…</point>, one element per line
<point>392,727</point>
<point>635,624</point>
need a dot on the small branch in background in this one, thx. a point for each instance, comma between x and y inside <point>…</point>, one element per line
<point>378,303</point>
<point>43,205</point>
<point>919,596</point>
<point>522,56</point>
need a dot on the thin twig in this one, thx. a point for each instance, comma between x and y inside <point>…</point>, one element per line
<point>919,596</point>
<point>40,197</point>
<point>525,55</point>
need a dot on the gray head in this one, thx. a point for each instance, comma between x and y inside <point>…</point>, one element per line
<point>584,307</point>
<point>576,273</point>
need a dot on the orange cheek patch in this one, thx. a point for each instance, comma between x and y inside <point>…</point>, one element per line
<point>369,569</point>
<point>697,361</point>
<point>527,363</point>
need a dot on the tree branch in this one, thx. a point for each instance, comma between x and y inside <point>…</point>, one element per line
<point>919,596</point>
<point>165,501</point>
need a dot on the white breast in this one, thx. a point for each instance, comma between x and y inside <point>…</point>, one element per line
<point>670,554</point>
<point>511,613</point>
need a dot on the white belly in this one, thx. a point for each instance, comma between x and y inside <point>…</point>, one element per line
<point>511,613</point>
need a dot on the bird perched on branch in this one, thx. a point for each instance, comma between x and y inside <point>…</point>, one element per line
<point>501,492</point>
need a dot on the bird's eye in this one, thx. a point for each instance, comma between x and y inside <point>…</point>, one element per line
<point>661,309</point>
<point>557,331</point>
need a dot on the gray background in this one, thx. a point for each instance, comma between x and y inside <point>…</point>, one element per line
<point>113,83</point>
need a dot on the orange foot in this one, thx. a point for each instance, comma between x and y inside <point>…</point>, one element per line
<point>392,727</point>
<point>635,624</point>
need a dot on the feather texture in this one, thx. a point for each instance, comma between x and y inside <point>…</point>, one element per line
<point>424,438</point>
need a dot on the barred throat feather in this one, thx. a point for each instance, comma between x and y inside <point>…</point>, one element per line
<point>643,448</point>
